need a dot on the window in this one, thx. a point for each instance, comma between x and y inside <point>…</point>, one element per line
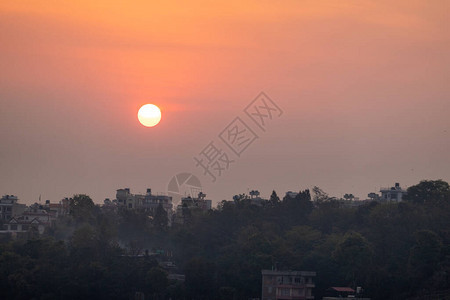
<point>298,292</point>
<point>13,226</point>
<point>285,292</point>
<point>25,227</point>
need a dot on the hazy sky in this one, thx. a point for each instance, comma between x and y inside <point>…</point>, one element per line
<point>363,86</point>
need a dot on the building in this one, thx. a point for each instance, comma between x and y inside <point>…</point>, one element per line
<point>22,224</point>
<point>58,209</point>
<point>394,193</point>
<point>200,202</point>
<point>148,202</point>
<point>128,200</point>
<point>190,206</point>
<point>34,218</point>
<point>9,207</point>
<point>340,292</point>
<point>281,285</point>
<point>151,202</point>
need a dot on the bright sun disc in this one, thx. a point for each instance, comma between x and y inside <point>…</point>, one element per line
<point>149,115</point>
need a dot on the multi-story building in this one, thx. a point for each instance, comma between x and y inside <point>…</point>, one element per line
<point>193,206</point>
<point>151,202</point>
<point>23,224</point>
<point>58,209</point>
<point>9,207</point>
<point>394,193</point>
<point>35,217</point>
<point>147,202</point>
<point>126,199</point>
<point>284,285</point>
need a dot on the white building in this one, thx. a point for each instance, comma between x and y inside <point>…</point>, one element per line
<point>9,207</point>
<point>23,224</point>
<point>394,193</point>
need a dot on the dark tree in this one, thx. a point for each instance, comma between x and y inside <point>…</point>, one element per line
<point>429,192</point>
<point>425,254</point>
<point>160,220</point>
<point>274,199</point>
<point>82,207</point>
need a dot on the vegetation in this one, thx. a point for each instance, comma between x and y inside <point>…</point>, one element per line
<point>393,250</point>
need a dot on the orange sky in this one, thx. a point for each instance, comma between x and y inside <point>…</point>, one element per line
<point>363,86</point>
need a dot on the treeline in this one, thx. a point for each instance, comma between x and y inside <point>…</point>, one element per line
<point>393,250</point>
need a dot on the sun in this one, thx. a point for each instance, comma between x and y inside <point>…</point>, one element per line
<point>149,115</point>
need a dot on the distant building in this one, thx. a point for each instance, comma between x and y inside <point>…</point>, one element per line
<point>35,218</point>
<point>9,207</point>
<point>23,224</point>
<point>151,202</point>
<point>191,206</point>
<point>340,292</point>
<point>394,193</point>
<point>291,194</point>
<point>277,285</point>
<point>37,211</point>
<point>128,200</point>
<point>57,209</point>
<point>147,202</point>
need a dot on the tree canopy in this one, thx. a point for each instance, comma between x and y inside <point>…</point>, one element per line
<point>393,250</point>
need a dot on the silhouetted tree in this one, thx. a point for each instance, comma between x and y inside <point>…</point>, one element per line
<point>429,192</point>
<point>82,208</point>
<point>274,199</point>
<point>160,220</point>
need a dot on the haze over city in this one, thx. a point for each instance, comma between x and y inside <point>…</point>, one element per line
<point>362,86</point>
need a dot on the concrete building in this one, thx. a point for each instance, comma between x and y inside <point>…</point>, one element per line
<point>128,200</point>
<point>147,202</point>
<point>22,224</point>
<point>344,292</point>
<point>58,209</point>
<point>193,206</point>
<point>35,218</point>
<point>9,207</point>
<point>394,193</point>
<point>39,212</point>
<point>284,285</point>
<point>151,202</point>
